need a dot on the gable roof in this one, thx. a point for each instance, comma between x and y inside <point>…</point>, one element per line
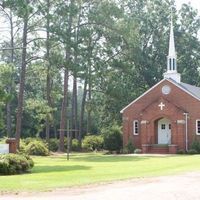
<point>190,89</point>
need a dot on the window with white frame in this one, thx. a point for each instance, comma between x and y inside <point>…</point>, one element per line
<point>198,126</point>
<point>135,127</point>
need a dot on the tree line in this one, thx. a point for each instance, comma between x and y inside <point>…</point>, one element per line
<point>74,64</point>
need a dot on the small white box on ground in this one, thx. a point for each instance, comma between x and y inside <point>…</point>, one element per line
<point>4,148</point>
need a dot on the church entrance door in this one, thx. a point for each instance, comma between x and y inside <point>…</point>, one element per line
<point>164,131</point>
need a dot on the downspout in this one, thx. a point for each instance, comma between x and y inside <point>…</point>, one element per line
<point>186,131</point>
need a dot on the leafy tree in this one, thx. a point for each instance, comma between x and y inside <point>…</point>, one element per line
<point>188,44</point>
<point>5,92</point>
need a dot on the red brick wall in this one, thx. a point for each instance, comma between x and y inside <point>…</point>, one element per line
<point>146,108</point>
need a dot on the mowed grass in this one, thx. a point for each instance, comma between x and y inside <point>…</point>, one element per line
<point>56,172</point>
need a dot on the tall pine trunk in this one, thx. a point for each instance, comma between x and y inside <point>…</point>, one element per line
<point>63,112</point>
<point>22,82</point>
<point>82,111</point>
<point>48,80</point>
<point>74,96</point>
<point>89,102</point>
<point>11,87</point>
<point>74,107</point>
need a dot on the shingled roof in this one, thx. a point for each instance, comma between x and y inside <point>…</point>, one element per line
<point>192,89</point>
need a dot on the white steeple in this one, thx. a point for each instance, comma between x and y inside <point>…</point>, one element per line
<point>172,51</point>
<point>171,58</point>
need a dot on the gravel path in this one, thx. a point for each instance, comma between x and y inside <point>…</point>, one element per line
<point>179,187</point>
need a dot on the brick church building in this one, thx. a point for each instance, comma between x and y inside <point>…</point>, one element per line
<point>166,118</point>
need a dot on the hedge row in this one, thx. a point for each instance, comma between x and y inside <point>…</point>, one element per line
<point>110,139</point>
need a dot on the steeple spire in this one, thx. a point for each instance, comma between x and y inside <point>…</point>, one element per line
<point>172,51</point>
<point>171,58</point>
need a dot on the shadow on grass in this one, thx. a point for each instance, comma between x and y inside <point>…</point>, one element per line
<point>108,158</point>
<point>91,157</point>
<point>58,168</point>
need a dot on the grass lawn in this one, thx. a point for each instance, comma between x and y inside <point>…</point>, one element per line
<point>56,172</point>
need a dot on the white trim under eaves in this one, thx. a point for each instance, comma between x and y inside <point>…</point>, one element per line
<point>173,82</point>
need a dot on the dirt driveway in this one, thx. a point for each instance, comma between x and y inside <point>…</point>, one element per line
<point>179,187</point>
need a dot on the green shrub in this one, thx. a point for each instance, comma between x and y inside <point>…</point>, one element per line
<point>38,148</point>
<point>113,138</point>
<point>53,144</point>
<point>180,151</point>
<point>29,140</point>
<point>196,146</point>
<point>25,142</point>
<point>22,147</point>
<point>192,151</point>
<point>15,164</point>
<point>129,148</point>
<point>65,143</point>
<point>30,161</point>
<point>92,142</point>
<point>3,140</point>
<point>75,145</point>
<point>124,151</point>
<point>138,151</point>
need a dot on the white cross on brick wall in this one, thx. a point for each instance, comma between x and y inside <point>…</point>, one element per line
<point>161,105</point>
